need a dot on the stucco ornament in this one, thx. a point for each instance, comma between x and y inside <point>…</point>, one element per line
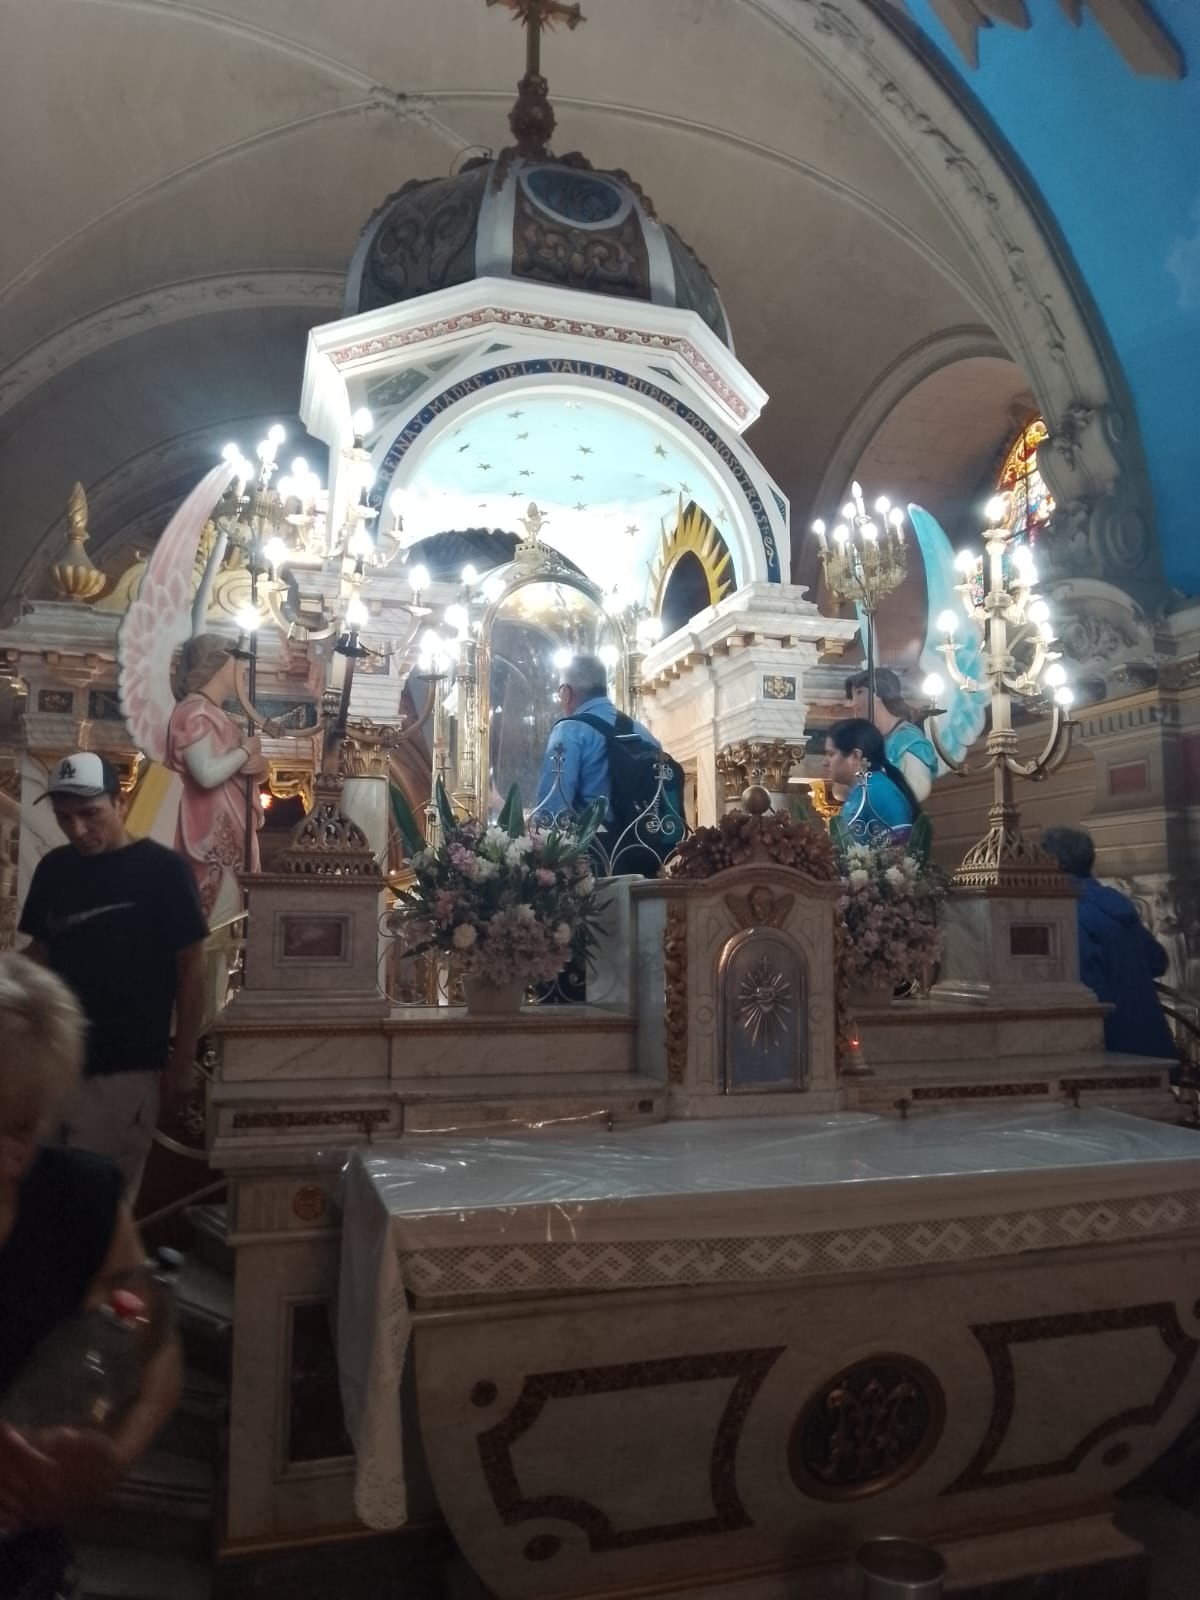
<point>1143,42</point>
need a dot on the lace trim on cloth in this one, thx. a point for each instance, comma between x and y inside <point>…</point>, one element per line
<point>373,1413</point>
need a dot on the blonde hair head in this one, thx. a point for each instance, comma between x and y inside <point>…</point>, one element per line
<point>41,1031</point>
<point>199,662</point>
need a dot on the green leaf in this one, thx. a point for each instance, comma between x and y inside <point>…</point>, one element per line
<point>801,811</point>
<point>512,818</point>
<point>445,810</point>
<point>839,832</point>
<point>920,840</point>
<point>591,820</point>
<point>404,821</point>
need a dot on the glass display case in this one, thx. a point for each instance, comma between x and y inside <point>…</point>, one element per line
<point>534,625</point>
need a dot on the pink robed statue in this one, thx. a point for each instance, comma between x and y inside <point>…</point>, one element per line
<point>178,719</point>
<point>219,768</point>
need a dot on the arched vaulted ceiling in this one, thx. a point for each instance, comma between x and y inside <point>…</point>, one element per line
<point>184,184</point>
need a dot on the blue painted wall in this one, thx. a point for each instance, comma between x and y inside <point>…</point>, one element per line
<point>1117,160</point>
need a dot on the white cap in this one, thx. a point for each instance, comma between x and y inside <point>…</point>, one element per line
<point>85,775</point>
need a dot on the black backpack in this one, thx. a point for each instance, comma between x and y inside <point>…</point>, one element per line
<point>636,769</point>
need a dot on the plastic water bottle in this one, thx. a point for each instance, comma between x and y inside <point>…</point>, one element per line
<point>88,1371</point>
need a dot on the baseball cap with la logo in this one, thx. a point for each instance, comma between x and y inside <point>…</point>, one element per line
<point>84,775</point>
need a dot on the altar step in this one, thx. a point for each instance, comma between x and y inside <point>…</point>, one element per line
<point>113,1574</point>
<point>209,1236</point>
<point>204,1311</point>
<point>165,1505</point>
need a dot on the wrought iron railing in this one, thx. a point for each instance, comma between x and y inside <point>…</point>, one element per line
<point>641,846</point>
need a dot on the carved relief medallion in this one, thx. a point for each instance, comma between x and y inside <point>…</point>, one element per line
<point>866,1429</point>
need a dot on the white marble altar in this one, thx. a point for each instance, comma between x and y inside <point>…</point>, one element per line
<point>996,1305</point>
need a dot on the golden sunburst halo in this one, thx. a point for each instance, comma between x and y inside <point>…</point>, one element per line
<point>694,534</point>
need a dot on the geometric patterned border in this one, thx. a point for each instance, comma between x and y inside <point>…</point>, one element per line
<point>656,1263</point>
<point>540,322</point>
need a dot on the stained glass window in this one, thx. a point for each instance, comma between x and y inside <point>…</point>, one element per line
<point>1033,505</point>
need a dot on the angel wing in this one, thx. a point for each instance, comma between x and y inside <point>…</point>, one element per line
<point>966,710</point>
<point>159,619</point>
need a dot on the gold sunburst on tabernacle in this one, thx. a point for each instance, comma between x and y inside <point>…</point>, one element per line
<point>764,1002</point>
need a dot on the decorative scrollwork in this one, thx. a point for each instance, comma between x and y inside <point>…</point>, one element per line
<point>326,843</point>
<point>675,1017</point>
<point>1007,859</point>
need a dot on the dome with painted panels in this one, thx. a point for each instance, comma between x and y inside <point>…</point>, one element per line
<point>551,220</point>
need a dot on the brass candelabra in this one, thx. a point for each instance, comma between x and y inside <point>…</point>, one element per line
<point>866,561</point>
<point>1019,665</point>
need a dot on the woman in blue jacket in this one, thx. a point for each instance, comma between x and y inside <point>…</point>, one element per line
<point>1119,959</point>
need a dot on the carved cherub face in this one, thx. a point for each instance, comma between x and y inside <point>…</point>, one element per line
<point>762,903</point>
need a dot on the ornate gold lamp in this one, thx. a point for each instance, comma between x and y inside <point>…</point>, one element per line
<point>1019,664</point>
<point>866,562</point>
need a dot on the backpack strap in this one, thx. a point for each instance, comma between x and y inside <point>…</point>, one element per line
<point>608,731</point>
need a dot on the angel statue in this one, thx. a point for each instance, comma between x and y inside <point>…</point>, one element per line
<point>966,709</point>
<point>206,771</point>
<point>219,808</point>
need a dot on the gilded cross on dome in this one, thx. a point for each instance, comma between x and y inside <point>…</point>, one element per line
<point>532,117</point>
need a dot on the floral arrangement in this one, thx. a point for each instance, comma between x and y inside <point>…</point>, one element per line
<point>742,836</point>
<point>511,903</point>
<point>889,913</point>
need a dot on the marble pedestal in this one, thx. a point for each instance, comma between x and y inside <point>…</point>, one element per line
<point>1005,949</point>
<point>312,947</point>
<point>736,676</point>
<point>292,1100</point>
<point>932,1055</point>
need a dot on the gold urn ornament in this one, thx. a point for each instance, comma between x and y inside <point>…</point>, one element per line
<point>75,577</point>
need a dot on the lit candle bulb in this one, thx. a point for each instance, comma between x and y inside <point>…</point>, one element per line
<point>896,518</point>
<point>818,528</point>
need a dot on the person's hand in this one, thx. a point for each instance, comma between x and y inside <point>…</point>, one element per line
<point>256,764</point>
<point>47,1476</point>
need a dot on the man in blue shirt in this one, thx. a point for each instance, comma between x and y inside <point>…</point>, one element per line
<point>1119,959</point>
<point>584,775</point>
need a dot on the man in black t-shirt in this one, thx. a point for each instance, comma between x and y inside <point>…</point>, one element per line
<point>119,920</point>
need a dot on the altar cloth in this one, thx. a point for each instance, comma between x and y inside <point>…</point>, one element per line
<point>741,1201</point>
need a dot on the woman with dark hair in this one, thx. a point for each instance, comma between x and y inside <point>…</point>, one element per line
<point>879,808</point>
<point>905,746</point>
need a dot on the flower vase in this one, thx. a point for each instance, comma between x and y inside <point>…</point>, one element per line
<point>874,996</point>
<point>486,999</point>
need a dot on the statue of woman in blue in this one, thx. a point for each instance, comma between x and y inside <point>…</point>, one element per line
<point>905,746</point>
<point>879,808</point>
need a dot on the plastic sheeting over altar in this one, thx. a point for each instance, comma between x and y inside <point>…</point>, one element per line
<point>770,1203</point>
